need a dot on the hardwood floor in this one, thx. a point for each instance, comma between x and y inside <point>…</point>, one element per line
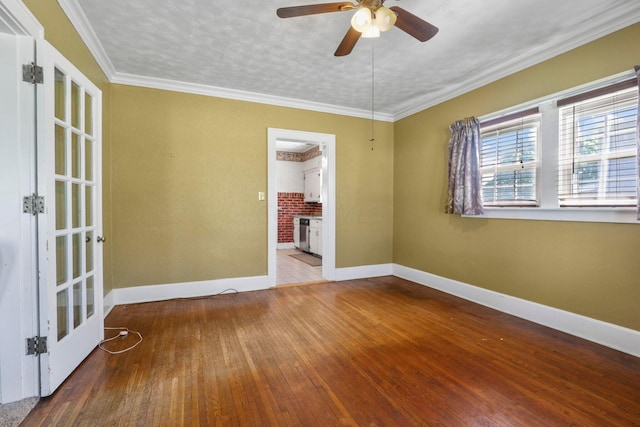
<point>375,352</point>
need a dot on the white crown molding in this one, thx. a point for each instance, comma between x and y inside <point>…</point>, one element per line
<point>16,16</point>
<point>80,22</point>
<point>240,95</point>
<point>596,28</point>
<point>607,334</point>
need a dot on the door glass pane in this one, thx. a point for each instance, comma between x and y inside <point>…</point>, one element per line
<point>61,260</point>
<point>88,160</point>
<point>61,205</point>
<point>90,296</point>
<point>59,94</point>
<point>75,205</point>
<point>89,253</point>
<point>75,105</point>
<point>75,155</point>
<point>88,114</point>
<point>61,158</point>
<point>77,256</point>
<point>63,317</point>
<point>88,201</point>
<point>77,304</point>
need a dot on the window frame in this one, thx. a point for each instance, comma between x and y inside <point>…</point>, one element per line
<point>549,208</point>
<point>568,190</point>
<point>508,124</point>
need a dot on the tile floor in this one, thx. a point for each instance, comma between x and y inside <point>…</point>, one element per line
<point>290,270</point>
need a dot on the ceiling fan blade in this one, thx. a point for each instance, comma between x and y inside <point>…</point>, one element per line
<point>414,26</point>
<point>348,42</point>
<point>312,9</point>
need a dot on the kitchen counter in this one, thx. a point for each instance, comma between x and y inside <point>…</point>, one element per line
<point>309,217</point>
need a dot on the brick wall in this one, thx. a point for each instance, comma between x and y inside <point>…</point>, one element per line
<point>290,204</point>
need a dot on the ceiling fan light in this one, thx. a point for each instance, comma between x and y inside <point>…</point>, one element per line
<point>362,19</point>
<point>385,18</point>
<point>372,31</point>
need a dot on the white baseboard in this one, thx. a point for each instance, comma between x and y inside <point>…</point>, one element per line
<point>149,293</point>
<point>607,334</point>
<point>363,271</point>
<point>289,245</point>
<point>108,303</point>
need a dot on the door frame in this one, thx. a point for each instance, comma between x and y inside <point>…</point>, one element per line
<point>19,372</point>
<point>327,142</point>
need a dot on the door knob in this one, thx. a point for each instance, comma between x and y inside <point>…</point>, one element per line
<point>101,239</point>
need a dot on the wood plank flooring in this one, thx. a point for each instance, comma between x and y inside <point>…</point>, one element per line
<point>375,352</point>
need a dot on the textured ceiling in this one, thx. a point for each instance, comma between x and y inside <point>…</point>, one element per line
<point>243,46</point>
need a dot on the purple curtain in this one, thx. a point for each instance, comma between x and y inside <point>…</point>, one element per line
<point>465,180</point>
<point>637,68</point>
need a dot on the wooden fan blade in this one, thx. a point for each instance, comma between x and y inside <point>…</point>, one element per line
<point>312,9</point>
<point>348,42</point>
<point>414,26</point>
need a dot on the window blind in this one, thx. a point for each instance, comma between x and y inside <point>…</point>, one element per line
<point>508,159</point>
<point>598,148</point>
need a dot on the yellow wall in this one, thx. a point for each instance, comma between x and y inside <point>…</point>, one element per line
<point>181,175</point>
<point>61,34</point>
<point>186,172</point>
<point>591,269</point>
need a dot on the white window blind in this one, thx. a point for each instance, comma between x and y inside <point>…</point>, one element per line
<point>509,159</point>
<point>598,148</point>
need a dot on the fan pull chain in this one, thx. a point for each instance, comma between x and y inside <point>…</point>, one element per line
<point>372,140</point>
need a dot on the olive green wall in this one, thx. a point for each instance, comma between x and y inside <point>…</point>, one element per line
<point>591,269</point>
<point>186,172</point>
<point>181,175</point>
<point>63,36</point>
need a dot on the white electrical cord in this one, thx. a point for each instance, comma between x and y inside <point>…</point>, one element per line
<point>122,334</point>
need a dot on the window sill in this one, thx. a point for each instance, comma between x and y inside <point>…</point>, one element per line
<point>619,215</point>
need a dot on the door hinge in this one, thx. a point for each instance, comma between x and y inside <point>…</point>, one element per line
<point>32,73</point>
<point>33,204</point>
<point>36,345</point>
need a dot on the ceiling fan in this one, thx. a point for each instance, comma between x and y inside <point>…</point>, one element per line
<point>370,19</point>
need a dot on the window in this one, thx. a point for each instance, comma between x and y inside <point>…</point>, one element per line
<point>597,163</point>
<point>570,156</point>
<point>509,159</point>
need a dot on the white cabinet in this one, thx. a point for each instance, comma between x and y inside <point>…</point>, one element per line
<point>296,232</point>
<point>315,236</point>
<point>313,185</point>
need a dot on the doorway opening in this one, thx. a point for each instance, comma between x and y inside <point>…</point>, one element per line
<point>294,156</point>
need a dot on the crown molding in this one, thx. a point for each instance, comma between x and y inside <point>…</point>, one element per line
<point>597,28</point>
<point>80,22</point>
<point>239,95</point>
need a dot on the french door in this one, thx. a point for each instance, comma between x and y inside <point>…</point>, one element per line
<point>70,231</point>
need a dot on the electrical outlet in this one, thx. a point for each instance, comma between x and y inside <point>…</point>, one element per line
<point>261,195</point>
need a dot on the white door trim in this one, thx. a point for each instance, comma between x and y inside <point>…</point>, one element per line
<point>328,142</point>
<point>16,18</point>
<point>18,305</point>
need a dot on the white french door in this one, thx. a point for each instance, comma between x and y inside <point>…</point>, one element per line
<point>70,231</point>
